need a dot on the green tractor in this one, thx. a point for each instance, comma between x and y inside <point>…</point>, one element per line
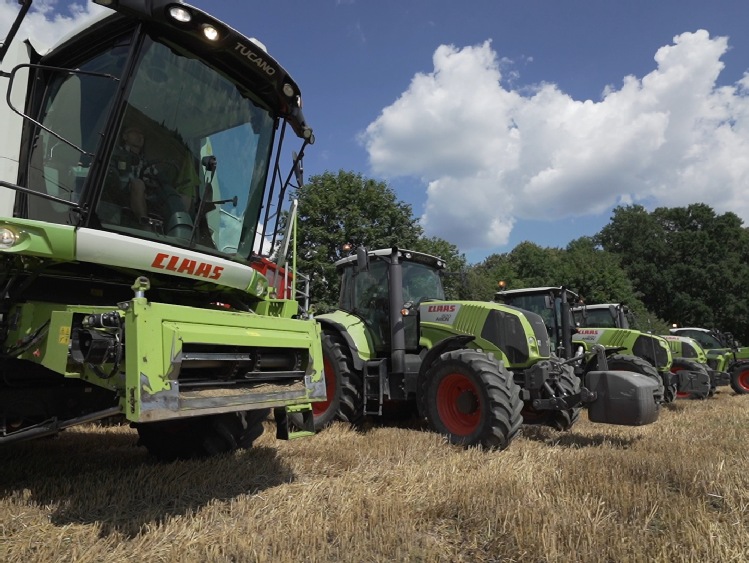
<point>723,354</point>
<point>627,349</point>
<point>137,160</point>
<point>474,370</point>
<point>689,355</point>
<point>686,353</point>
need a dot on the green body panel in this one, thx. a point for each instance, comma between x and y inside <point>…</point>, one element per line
<point>148,379</point>
<point>355,328</point>
<point>627,339</point>
<point>470,319</point>
<point>684,347</point>
<point>40,239</point>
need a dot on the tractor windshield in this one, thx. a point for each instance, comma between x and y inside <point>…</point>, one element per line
<point>421,282</point>
<point>595,318</point>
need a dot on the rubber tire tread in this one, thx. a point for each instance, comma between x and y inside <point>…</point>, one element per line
<point>570,384</point>
<point>736,372</point>
<point>499,392</point>
<point>691,365</point>
<point>202,436</point>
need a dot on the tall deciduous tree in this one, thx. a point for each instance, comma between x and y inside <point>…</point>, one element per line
<point>689,263</point>
<point>335,209</point>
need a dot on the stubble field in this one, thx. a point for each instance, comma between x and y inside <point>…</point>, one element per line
<point>677,490</point>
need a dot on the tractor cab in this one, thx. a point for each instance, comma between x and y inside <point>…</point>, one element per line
<point>384,284</point>
<point>604,315</point>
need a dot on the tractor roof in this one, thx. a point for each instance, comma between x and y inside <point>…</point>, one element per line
<point>404,255</point>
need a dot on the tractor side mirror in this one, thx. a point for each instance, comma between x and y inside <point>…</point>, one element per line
<point>362,259</point>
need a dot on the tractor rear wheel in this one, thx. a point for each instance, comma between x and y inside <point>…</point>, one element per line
<point>342,386</point>
<point>680,364</point>
<point>740,378</point>
<point>622,362</point>
<point>201,436</point>
<point>472,399</point>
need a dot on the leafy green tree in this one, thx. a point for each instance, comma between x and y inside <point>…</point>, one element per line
<point>336,209</point>
<point>688,263</point>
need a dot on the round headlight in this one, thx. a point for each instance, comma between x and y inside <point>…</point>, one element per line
<point>180,14</point>
<point>210,32</point>
<point>8,237</point>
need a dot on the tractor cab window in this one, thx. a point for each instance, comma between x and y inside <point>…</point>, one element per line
<point>421,282</point>
<point>74,110</point>
<point>597,318</point>
<point>190,159</point>
<point>705,339</point>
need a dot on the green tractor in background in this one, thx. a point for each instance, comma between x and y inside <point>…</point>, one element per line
<point>686,353</point>
<point>627,349</point>
<point>723,354</point>
<point>474,370</point>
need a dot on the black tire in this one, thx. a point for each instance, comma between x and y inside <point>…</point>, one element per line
<point>740,378</point>
<point>679,364</point>
<point>472,399</point>
<point>568,384</point>
<point>343,387</point>
<point>202,436</point>
<point>623,362</point>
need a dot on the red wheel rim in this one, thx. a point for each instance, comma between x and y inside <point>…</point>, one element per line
<point>680,394</point>
<point>458,404</point>
<point>322,406</point>
<point>743,380</point>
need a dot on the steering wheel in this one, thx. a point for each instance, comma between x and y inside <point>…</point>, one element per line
<point>153,171</point>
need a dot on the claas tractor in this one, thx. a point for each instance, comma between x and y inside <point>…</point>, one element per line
<point>723,354</point>
<point>140,159</point>
<point>688,361</point>
<point>475,371</point>
<point>625,349</point>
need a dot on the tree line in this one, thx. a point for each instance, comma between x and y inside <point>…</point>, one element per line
<point>685,265</point>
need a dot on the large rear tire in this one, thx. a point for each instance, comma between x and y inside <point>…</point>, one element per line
<point>472,399</point>
<point>201,436</point>
<point>740,379</point>
<point>622,362</point>
<point>343,389</point>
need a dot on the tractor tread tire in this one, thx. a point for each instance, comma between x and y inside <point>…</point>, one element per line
<point>497,396</point>
<point>202,436</point>
<point>740,378</point>
<point>570,384</point>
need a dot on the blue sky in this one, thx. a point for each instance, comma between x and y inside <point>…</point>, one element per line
<point>502,121</point>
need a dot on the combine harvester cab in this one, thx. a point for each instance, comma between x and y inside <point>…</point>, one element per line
<point>474,370</point>
<point>139,176</point>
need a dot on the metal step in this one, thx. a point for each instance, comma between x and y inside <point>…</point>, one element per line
<point>375,386</point>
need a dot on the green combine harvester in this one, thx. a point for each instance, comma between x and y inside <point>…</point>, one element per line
<point>475,371</point>
<point>140,178</point>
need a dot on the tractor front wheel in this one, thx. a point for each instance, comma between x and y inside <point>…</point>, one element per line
<point>679,364</point>
<point>472,399</point>
<point>201,436</point>
<point>740,379</point>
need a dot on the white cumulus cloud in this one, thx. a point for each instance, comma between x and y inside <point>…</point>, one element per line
<point>490,155</point>
<point>47,21</point>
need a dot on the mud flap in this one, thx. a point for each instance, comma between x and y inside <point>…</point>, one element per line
<point>622,397</point>
<point>696,383</point>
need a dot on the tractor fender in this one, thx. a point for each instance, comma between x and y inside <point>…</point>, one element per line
<point>352,345</point>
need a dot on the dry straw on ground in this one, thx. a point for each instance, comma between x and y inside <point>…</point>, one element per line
<point>677,490</point>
